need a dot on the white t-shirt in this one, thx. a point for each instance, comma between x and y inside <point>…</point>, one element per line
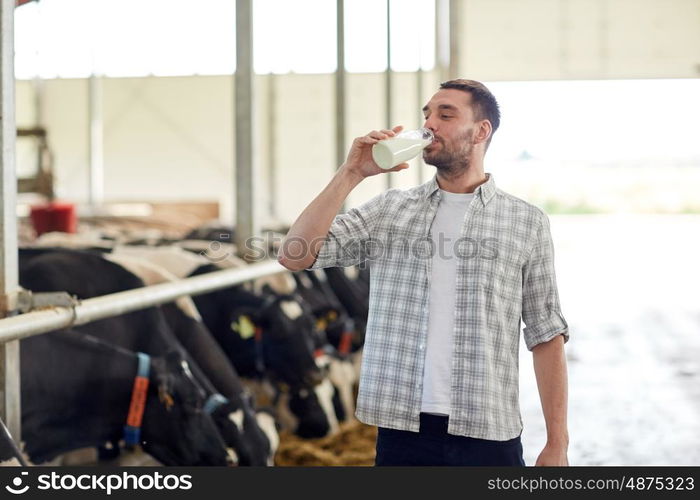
<point>438,352</point>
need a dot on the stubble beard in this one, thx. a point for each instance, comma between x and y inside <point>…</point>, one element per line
<point>450,164</point>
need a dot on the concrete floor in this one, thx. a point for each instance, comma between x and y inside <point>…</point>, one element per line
<point>628,289</point>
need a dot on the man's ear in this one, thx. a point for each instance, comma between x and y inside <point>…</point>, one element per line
<point>483,132</point>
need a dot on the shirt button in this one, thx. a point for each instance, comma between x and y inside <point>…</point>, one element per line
<point>421,347</point>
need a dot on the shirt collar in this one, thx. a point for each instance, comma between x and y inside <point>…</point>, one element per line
<point>485,190</point>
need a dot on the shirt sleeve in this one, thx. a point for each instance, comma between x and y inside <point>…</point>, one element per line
<point>541,311</point>
<point>348,241</point>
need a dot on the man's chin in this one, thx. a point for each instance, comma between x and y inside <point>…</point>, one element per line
<point>433,160</point>
<point>428,158</point>
<point>440,166</point>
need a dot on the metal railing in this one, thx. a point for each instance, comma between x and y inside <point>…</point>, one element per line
<point>115,304</point>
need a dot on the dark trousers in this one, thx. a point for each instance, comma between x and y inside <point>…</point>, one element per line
<point>434,446</point>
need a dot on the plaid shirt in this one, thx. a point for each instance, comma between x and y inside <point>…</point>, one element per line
<point>505,270</point>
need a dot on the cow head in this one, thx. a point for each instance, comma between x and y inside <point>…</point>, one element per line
<point>331,316</point>
<point>269,336</point>
<point>290,341</point>
<point>176,430</point>
<point>314,410</point>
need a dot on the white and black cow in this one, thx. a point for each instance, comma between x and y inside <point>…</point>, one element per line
<point>87,275</point>
<point>77,392</point>
<point>340,333</point>
<point>330,314</point>
<point>286,342</point>
<point>272,336</point>
<point>353,293</point>
<point>257,442</point>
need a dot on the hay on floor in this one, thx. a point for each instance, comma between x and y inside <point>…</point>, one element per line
<point>353,445</point>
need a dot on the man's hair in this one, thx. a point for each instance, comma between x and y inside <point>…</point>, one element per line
<point>483,102</point>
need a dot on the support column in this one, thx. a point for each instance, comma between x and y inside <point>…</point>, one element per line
<point>10,410</point>
<point>244,126</point>
<point>96,177</point>
<point>340,89</point>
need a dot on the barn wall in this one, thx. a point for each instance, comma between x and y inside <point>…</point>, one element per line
<point>579,39</point>
<point>171,138</point>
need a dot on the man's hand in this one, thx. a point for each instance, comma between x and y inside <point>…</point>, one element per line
<point>553,456</point>
<point>359,160</point>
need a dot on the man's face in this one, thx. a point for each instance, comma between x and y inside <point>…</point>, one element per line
<point>450,116</point>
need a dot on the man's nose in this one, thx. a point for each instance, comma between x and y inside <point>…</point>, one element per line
<point>429,124</point>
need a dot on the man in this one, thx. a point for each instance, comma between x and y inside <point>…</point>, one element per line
<point>440,364</point>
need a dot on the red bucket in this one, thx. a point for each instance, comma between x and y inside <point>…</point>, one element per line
<point>54,216</point>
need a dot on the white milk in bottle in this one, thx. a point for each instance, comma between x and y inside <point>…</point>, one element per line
<point>400,148</point>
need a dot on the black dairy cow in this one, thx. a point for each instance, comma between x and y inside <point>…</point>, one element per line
<point>86,275</point>
<point>76,393</point>
<point>272,336</point>
<point>353,294</point>
<point>340,332</point>
<point>331,316</point>
<point>253,444</point>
